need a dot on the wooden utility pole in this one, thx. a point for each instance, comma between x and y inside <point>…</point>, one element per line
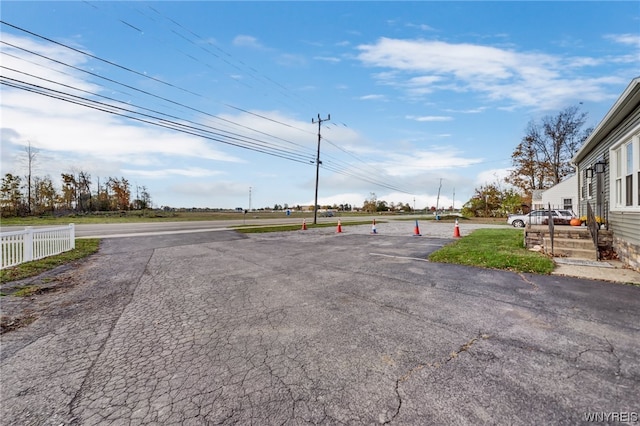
<point>438,199</point>
<point>315,205</point>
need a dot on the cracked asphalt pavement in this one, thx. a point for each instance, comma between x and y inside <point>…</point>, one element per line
<point>315,327</point>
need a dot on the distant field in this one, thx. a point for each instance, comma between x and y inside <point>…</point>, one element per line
<point>156,216</point>
<point>161,216</point>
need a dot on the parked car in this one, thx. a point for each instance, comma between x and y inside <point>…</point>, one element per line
<point>541,217</point>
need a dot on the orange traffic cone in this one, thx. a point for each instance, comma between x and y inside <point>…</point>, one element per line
<point>373,227</point>
<point>456,230</point>
<point>416,231</point>
<point>304,224</point>
<point>339,230</point>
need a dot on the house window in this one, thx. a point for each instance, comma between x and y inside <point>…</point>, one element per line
<point>625,173</point>
<point>629,175</point>
<point>618,176</point>
<point>567,203</point>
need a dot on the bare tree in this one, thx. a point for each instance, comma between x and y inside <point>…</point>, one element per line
<point>31,155</point>
<point>84,191</point>
<point>543,157</point>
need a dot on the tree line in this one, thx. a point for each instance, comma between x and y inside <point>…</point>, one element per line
<point>541,160</point>
<point>38,195</point>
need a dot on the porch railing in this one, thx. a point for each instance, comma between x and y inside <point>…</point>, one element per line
<point>551,228</point>
<point>18,247</point>
<point>593,226</point>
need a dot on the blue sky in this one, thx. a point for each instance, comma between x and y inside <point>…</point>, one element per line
<point>417,92</point>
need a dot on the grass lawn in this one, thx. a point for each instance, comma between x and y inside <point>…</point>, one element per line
<point>84,247</point>
<point>494,248</point>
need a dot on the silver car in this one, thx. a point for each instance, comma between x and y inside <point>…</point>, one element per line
<point>540,217</point>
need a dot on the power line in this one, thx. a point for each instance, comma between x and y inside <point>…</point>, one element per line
<point>238,141</point>
<point>336,168</point>
<point>142,91</point>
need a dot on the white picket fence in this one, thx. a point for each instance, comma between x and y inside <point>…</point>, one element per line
<point>17,247</point>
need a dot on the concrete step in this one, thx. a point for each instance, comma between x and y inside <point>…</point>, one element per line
<point>569,242</point>
<point>575,253</point>
<point>571,247</point>
<point>559,233</point>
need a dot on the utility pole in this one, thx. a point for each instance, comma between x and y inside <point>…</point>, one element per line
<point>453,200</point>
<point>438,199</point>
<point>249,198</point>
<point>315,205</point>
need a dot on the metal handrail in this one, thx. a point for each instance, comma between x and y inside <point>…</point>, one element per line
<point>551,228</point>
<point>593,226</point>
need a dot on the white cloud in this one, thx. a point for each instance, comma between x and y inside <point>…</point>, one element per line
<point>468,111</point>
<point>332,59</point>
<point>630,39</point>
<point>522,79</point>
<point>492,176</point>
<point>421,161</point>
<point>71,137</point>
<point>372,97</point>
<point>428,118</point>
<point>210,189</point>
<point>83,131</point>
<point>168,172</point>
<point>290,60</point>
<point>421,27</point>
<point>247,41</point>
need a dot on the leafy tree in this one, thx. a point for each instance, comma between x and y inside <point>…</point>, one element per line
<point>69,191</point>
<point>44,195</point>
<point>101,201</point>
<point>10,195</point>
<point>543,157</point>
<point>381,206</point>
<point>492,200</point>
<point>370,205</point>
<point>121,193</point>
<point>143,201</point>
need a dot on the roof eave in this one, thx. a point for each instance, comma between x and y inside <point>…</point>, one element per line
<point>618,112</point>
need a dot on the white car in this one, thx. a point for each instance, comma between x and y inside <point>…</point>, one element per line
<point>540,217</point>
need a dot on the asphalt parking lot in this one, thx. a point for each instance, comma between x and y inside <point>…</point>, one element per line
<point>316,327</point>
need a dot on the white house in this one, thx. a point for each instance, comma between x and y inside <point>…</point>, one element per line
<point>563,195</point>
<point>608,167</point>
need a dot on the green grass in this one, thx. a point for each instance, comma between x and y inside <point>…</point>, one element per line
<point>84,248</point>
<point>26,291</point>
<point>494,248</point>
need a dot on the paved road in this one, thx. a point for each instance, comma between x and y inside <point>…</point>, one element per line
<point>119,230</point>
<point>316,327</point>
